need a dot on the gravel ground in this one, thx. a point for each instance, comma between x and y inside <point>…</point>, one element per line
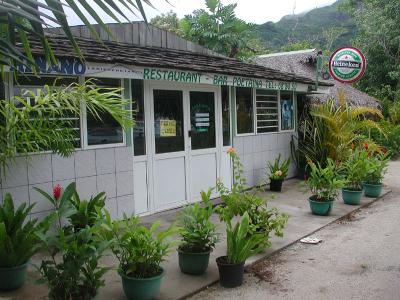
<point>358,259</point>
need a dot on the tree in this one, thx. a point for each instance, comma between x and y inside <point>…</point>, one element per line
<point>21,18</point>
<point>218,29</point>
<point>378,37</point>
<point>168,21</point>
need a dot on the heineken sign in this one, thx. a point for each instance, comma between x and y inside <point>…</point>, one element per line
<point>347,65</point>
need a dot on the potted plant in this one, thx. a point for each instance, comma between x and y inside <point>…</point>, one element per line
<point>355,169</point>
<point>376,168</point>
<point>199,236</point>
<point>278,172</point>
<point>323,183</point>
<point>18,243</point>
<point>140,251</point>
<point>73,270</point>
<point>243,241</point>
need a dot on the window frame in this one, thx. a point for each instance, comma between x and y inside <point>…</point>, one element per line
<point>294,97</point>
<point>278,112</point>
<point>85,145</point>
<point>236,117</point>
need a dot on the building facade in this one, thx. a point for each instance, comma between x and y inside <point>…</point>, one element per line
<point>190,107</point>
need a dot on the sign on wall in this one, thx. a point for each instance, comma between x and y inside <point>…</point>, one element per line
<point>75,67</point>
<point>347,65</point>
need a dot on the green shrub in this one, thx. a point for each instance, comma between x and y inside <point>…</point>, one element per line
<point>376,168</point>
<point>73,271</point>
<point>324,182</point>
<point>198,232</point>
<point>139,250</point>
<point>17,234</point>
<point>242,240</point>
<point>355,169</point>
<point>278,170</point>
<point>389,138</point>
<point>87,212</point>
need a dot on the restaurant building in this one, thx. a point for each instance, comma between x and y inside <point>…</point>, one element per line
<point>191,105</point>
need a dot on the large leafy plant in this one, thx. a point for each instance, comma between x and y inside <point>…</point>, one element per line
<point>377,164</point>
<point>86,212</point>
<point>332,128</point>
<point>355,169</point>
<point>324,182</point>
<point>73,271</point>
<point>198,232</point>
<point>239,201</point>
<point>242,240</point>
<point>139,250</point>
<point>18,240</point>
<point>278,170</point>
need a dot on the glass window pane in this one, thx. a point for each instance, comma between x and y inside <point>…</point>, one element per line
<point>226,116</point>
<point>287,111</point>
<point>168,121</point>
<point>244,110</point>
<point>267,111</point>
<point>105,130</point>
<point>139,136</point>
<point>202,119</point>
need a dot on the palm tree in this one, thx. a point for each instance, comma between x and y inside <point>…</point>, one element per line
<point>21,18</point>
<point>333,130</point>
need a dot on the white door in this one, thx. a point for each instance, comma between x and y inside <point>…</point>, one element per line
<point>203,141</point>
<point>184,158</point>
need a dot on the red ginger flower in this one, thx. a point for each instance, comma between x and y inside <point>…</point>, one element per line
<point>57,192</point>
<point>231,150</point>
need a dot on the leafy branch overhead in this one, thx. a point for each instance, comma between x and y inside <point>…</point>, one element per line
<point>21,18</point>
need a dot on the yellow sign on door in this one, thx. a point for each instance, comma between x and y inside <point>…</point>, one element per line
<point>167,128</point>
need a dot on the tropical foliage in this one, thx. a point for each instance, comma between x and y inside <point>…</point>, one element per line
<point>18,238</point>
<point>72,270</point>
<point>198,232</point>
<point>44,123</point>
<point>278,170</point>
<point>355,169</point>
<point>240,201</point>
<point>242,240</point>
<point>377,165</point>
<point>324,182</point>
<point>139,250</point>
<point>332,130</point>
<point>218,29</point>
<point>22,20</point>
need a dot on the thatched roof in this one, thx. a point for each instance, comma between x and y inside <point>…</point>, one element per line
<point>128,54</point>
<point>303,63</point>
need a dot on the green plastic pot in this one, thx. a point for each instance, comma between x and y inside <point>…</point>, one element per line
<point>193,263</point>
<point>13,278</point>
<point>141,288</point>
<point>372,190</point>
<point>351,197</point>
<point>320,208</point>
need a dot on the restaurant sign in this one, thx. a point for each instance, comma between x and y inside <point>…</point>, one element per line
<point>347,65</point>
<point>75,67</point>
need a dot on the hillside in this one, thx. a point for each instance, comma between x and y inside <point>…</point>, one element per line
<point>308,27</point>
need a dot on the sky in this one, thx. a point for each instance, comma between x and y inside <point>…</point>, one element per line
<point>253,11</point>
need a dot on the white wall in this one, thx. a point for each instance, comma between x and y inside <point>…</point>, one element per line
<point>256,150</point>
<point>109,170</point>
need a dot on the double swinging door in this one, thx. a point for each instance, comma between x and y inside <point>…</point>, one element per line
<point>184,141</point>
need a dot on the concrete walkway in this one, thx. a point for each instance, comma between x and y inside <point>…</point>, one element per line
<point>176,285</point>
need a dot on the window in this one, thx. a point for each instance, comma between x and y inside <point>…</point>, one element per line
<point>104,130</point>
<point>267,111</point>
<point>287,111</point>
<point>244,110</point>
<point>168,121</point>
<point>226,116</point>
<point>139,133</point>
<point>69,121</point>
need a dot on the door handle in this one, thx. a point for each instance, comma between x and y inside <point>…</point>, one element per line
<point>190,133</point>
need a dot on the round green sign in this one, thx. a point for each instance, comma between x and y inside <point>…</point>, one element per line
<point>347,65</point>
